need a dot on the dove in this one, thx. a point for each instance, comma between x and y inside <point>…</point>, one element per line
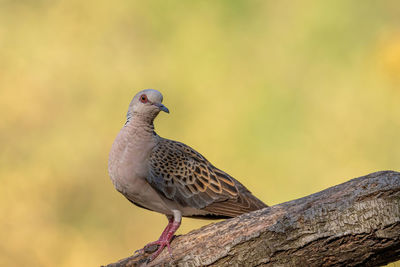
<point>168,176</point>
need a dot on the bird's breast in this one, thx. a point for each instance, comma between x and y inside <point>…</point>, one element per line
<point>127,164</point>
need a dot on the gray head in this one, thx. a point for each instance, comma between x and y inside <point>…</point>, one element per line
<point>146,103</point>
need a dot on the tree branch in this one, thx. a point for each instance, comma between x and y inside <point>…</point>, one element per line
<point>354,223</point>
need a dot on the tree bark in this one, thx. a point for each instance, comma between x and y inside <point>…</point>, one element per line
<point>351,224</point>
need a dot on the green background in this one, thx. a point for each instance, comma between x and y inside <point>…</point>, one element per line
<point>289,97</point>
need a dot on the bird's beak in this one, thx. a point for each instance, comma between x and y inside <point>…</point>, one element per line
<point>162,107</point>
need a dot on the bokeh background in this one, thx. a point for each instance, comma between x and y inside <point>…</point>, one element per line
<point>290,97</point>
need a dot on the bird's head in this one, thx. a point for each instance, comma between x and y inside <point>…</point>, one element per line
<point>147,104</point>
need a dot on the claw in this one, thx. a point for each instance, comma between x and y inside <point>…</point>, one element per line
<point>165,238</point>
<point>138,251</point>
<point>162,244</point>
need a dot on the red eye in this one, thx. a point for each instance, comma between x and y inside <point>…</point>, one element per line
<point>143,98</point>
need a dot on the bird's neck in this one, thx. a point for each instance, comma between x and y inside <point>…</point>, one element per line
<point>130,152</point>
<point>141,126</point>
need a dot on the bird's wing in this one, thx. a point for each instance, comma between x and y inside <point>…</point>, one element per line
<point>185,176</point>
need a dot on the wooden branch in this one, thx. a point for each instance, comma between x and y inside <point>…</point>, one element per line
<point>354,223</point>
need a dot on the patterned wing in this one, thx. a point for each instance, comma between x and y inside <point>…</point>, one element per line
<point>185,176</point>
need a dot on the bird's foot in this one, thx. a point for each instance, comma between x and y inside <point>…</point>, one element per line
<point>164,240</point>
<point>156,247</point>
<point>162,243</point>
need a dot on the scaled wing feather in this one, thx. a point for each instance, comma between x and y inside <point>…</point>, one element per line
<point>182,174</point>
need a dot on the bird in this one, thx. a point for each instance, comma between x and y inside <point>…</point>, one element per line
<point>169,177</point>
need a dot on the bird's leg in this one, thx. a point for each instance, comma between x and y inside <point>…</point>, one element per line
<point>170,222</point>
<point>164,233</point>
<point>167,235</point>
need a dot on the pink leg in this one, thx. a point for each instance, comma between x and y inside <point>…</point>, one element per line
<point>164,233</point>
<point>166,236</point>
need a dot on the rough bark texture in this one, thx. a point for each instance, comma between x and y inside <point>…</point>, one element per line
<point>351,224</point>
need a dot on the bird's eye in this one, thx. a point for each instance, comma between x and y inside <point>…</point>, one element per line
<point>143,98</point>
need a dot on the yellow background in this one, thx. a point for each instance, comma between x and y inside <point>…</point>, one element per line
<point>289,97</point>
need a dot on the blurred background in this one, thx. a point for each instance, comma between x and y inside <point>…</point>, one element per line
<point>288,97</point>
